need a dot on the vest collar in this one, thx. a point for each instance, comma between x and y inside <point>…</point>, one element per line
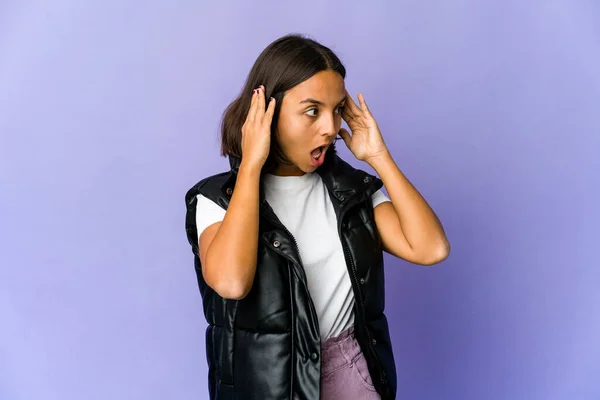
<point>234,163</point>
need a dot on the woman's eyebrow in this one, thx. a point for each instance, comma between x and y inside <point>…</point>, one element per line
<point>320,103</point>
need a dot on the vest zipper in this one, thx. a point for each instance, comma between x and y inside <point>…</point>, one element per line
<point>273,219</point>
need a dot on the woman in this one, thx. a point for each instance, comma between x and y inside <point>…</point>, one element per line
<point>288,243</point>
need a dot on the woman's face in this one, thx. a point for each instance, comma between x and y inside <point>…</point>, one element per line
<point>310,118</point>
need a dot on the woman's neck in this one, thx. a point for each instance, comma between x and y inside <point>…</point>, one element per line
<point>287,170</point>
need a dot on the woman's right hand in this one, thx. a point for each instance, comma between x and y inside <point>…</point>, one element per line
<point>256,131</point>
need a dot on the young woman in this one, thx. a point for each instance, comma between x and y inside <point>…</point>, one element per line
<point>288,244</point>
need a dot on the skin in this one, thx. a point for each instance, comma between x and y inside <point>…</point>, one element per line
<point>305,125</point>
<point>311,116</point>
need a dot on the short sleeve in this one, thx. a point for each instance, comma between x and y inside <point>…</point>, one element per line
<point>207,213</point>
<point>378,198</point>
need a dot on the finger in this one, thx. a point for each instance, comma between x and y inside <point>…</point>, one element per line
<point>270,111</point>
<point>252,110</point>
<point>363,105</point>
<point>346,115</point>
<point>260,111</point>
<point>351,119</point>
<point>346,136</point>
<point>351,106</point>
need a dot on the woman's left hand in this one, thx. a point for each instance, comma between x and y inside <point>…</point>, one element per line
<point>365,142</point>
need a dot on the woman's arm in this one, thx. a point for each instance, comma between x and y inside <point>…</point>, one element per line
<point>228,249</point>
<point>408,226</point>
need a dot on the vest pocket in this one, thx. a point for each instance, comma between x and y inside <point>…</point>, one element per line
<point>222,339</point>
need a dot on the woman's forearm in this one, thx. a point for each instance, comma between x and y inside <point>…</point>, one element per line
<point>231,256</point>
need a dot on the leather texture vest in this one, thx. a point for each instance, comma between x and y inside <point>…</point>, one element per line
<point>267,345</point>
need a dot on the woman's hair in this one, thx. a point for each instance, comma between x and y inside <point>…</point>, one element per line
<point>285,63</point>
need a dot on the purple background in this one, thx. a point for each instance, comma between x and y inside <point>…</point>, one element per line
<point>109,112</point>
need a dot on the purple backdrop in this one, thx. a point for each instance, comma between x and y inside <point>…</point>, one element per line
<point>109,112</point>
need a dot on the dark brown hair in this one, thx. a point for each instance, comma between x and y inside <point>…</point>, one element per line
<point>283,64</point>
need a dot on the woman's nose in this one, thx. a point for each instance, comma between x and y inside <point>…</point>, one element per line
<point>328,128</point>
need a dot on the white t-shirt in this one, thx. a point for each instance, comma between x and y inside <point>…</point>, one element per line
<point>303,205</point>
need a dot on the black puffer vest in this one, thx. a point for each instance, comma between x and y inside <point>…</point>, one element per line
<point>267,345</point>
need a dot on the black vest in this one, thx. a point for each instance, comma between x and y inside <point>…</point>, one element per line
<point>267,345</point>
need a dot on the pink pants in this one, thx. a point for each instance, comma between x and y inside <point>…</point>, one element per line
<point>344,373</point>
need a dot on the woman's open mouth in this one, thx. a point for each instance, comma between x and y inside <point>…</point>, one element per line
<point>317,156</point>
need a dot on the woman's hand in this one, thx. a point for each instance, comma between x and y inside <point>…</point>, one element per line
<point>365,142</point>
<point>256,131</point>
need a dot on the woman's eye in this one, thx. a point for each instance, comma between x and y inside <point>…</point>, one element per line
<point>313,111</point>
